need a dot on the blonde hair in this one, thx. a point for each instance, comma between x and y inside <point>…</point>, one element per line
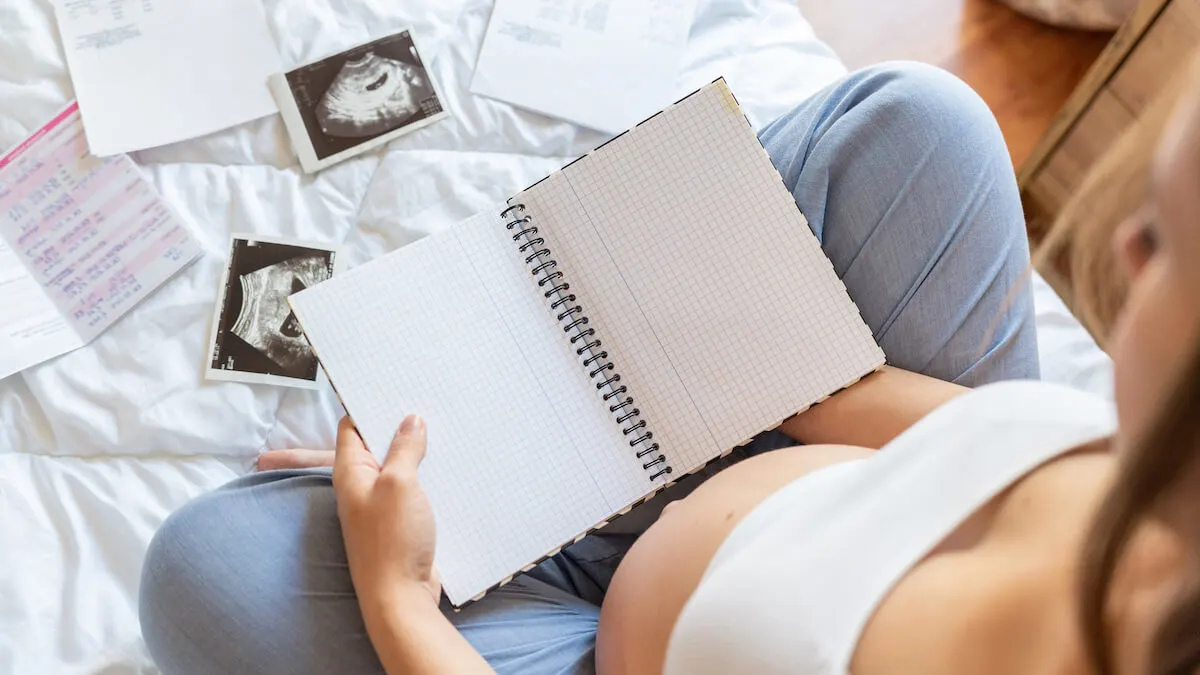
<point>1155,471</point>
<point>1079,244</point>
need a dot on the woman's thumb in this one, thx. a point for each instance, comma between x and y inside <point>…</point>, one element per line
<point>408,446</point>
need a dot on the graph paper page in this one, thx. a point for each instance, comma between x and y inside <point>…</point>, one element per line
<point>452,327</point>
<point>702,277</point>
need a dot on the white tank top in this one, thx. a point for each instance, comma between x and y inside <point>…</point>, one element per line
<point>793,586</point>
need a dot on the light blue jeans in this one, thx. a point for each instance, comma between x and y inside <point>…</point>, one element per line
<point>905,179</point>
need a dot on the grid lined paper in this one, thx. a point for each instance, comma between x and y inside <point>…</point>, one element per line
<point>719,307</point>
<point>452,328</point>
<point>552,360</point>
<point>700,276</point>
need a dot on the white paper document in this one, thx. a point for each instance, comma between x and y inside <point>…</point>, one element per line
<point>152,72</point>
<point>604,64</point>
<point>82,240</point>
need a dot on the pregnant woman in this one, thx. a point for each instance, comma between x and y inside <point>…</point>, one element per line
<point>926,527</point>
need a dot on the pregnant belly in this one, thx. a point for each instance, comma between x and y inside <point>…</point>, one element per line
<point>662,569</point>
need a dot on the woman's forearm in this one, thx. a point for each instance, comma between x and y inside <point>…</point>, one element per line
<point>872,412</point>
<point>412,637</point>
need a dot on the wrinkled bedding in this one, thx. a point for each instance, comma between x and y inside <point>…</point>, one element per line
<point>97,447</point>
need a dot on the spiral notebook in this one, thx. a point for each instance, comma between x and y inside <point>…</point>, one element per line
<point>615,326</point>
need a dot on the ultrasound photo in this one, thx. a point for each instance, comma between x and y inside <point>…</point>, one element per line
<point>256,337</point>
<point>356,100</point>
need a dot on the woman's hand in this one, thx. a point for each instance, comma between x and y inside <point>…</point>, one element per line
<point>359,477</point>
<point>387,521</point>
<point>387,526</point>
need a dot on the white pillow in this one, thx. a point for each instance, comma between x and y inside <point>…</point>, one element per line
<point>1089,14</point>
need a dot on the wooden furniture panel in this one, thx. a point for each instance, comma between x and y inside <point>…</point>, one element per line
<point>1141,58</point>
<point>1109,61</point>
<point>1158,38</point>
<point>1175,33</point>
<point>1104,120</point>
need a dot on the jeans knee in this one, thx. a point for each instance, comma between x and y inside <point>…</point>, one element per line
<point>229,581</point>
<point>201,571</point>
<point>926,103</point>
<point>170,583</point>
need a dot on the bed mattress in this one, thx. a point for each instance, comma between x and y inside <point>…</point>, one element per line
<point>98,446</point>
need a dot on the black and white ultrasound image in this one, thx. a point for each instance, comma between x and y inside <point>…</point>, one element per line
<point>362,93</point>
<point>257,331</point>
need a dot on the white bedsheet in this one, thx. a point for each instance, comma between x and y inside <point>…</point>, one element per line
<point>97,447</point>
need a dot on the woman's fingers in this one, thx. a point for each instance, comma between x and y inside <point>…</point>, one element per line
<point>294,459</point>
<point>408,446</point>
<point>354,467</point>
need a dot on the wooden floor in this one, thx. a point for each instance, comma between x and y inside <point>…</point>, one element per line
<point>1023,69</point>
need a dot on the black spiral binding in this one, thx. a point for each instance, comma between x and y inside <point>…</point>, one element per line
<point>575,324</point>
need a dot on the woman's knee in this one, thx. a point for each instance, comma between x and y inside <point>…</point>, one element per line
<point>229,580</point>
<point>939,116</point>
<point>929,96</point>
<point>183,588</point>
<point>884,131</point>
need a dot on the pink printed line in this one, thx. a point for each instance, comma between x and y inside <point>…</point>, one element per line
<point>35,179</point>
<point>131,189</point>
<point>88,306</point>
<point>131,268</point>
<point>16,152</point>
<point>53,164</point>
<point>173,237</point>
<point>83,228</point>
